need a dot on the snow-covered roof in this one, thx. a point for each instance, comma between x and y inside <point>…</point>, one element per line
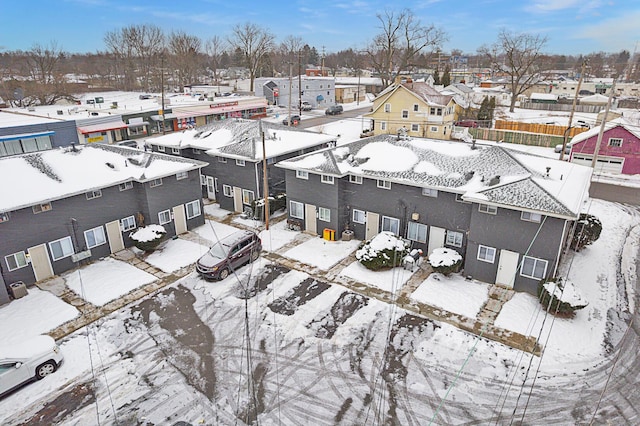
<point>595,99</point>
<point>60,173</point>
<point>620,121</point>
<point>544,96</point>
<point>242,139</point>
<point>488,174</point>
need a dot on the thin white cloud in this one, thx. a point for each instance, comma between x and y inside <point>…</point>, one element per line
<point>541,6</point>
<point>613,34</point>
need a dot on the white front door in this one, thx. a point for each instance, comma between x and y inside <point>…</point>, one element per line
<point>211,188</point>
<point>180,219</point>
<point>436,238</point>
<point>40,262</point>
<point>237,200</point>
<point>507,268</point>
<point>115,236</point>
<point>373,225</point>
<point>310,224</point>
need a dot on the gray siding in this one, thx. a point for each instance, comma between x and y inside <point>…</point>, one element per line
<point>74,215</point>
<point>65,132</point>
<point>231,174</point>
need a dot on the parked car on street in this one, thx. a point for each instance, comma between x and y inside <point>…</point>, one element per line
<point>466,123</point>
<point>30,360</point>
<point>567,149</point>
<point>306,106</point>
<point>295,119</point>
<point>229,254</point>
<point>334,110</point>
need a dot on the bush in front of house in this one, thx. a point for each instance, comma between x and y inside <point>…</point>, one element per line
<point>588,229</point>
<point>445,261</point>
<point>384,251</point>
<point>560,297</point>
<point>148,237</point>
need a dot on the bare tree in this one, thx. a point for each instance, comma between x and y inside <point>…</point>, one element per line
<point>185,57</point>
<point>138,47</point>
<point>215,47</point>
<point>520,57</point>
<point>254,43</point>
<point>47,83</point>
<point>402,39</point>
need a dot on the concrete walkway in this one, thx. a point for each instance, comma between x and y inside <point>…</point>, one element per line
<point>482,325</point>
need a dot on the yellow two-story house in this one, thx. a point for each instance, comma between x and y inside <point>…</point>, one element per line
<point>415,109</point>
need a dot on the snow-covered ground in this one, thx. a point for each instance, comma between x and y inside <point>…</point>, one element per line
<point>445,364</point>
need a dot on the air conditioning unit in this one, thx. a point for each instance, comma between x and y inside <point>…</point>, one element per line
<point>18,289</point>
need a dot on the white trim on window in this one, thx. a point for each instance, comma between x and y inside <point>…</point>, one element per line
<point>16,261</point>
<point>241,163</point>
<point>164,217</point>
<point>454,238</point>
<point>301,174</point>
<point>61,248</point>
<point>434,128</point>
<point>326,179</point>
<point>430,192</point>
<point>417,232</point>
<point>128,223</point>
<point>355,179</point>
<point>384,184</point>
<point>486,208</point>
<point>296,209</point>
<point>93,194</point>
<point>175,150</point>
<point>486,254</point>
<point>193,209</point>
<point>222,159</point>
<point>39,208</point>
<point>391,224</point>
<point>387,107</point>
<point>182,175</point>
<point>160,148</point>
<point>95,237</point>
<point>124,186</point>
<point>405,113</point>
<point>227,190</point>
<point>247,196</point>
<point>359,216</point>
<point>155,182</point>
<point>415,127</point>
<point>615,142</point>
<point>460,199</point>
<point>383,125</point>
<point>531,217</point>
<point>533,268</point>
<point>324,214</point>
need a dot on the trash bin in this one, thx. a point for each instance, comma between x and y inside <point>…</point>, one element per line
<point>18,289</point>
<point>329,234</point>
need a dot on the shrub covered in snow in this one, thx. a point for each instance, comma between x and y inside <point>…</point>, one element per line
<point>445,261</point>
<point>383,251</point>
<point>560,297</point>
<point>147,238</point>
<point>587,231</point>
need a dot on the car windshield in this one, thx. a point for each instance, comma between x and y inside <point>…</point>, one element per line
<point>219,251</point>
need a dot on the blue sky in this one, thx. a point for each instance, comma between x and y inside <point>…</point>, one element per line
<point>572,26</point>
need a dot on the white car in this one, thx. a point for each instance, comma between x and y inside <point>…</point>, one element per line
<point>27,361</point>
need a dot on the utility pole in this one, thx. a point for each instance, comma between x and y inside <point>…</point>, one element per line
<point>265,179</point>
<point>299,83</point>
<point>604,122</point>
<point>289,119</point>
<point>162,89</point>
<point>573,108</point>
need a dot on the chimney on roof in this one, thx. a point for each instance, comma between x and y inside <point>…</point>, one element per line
<point>469,175</point>
<point>494,180</point>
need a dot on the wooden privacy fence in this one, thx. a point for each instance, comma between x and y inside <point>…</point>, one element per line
<point>512,136</point>
<point>547,129</point>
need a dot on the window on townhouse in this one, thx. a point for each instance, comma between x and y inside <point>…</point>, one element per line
<point>486,254</point>
<point>359,216</point>
<point>415,127</point>
<point>533,268</point>
<point>383,125</point>
<point>454,239</point>
<point>434,128</point>
<point>240,163</point>
<point>222,160</point>
<point>430,192</point>
<point>182,175</point>
<point>417,232</point>
<point>61,248</point>
<point>193,209</point>
<point>405,113</point>
<point>128,223</point>
<point>387,107</point>
<point>324,214</point>
<point>485,208</point>
<point>175,151</point>
<point>125,186</point>
<point>384,184</point>
<point>155,182</point>
<point>4,217</point>
<point>296,209</point>
<point>93,194</point>
<point>416,107</point>
<point>616,142</point>
<point>301,174</point>
<point>355,179</point>
<point>326,179</point>
<point>39,208</point>
<point>227,190</point>
<point>95,237</point>
<point>16,261</point>
<point>161,148</point>
<point>247,196</point>
<point>164,217</point>
<point>531,217</point>
<point>391,224</point>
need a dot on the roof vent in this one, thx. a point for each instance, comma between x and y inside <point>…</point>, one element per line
<point>469,175</point>
<point>494,180</point>
<point>548,170</point>
<point>110,165</point>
